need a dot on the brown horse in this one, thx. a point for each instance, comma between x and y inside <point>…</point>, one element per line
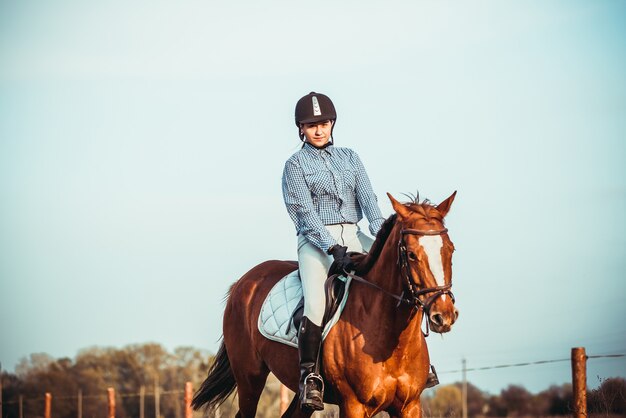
<point>375,358</point>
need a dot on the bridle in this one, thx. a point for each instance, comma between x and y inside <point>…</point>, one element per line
<point>403,262</point>
<point>415,298</point>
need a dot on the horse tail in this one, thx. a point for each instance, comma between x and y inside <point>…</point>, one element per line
<point>219,384</point>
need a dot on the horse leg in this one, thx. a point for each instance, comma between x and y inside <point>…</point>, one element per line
<point>250,373</point>
<point>249,389</point>
<point>352,408</point>
<point>413,409</point>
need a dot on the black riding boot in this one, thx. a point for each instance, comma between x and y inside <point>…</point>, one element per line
<point>311,383</point>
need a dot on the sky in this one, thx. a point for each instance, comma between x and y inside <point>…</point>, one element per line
<point>142,146</point>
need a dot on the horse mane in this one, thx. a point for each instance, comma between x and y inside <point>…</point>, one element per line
<point>364,262</point>
<point>424,209</point>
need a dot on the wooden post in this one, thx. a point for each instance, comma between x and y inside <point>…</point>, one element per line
<point>188,397</point>
<point>79,409</point>
<point>464,391</point>
<point>142,401</point>
<point>47,412</point>
<point>21,406</point>
<point>284,399</point>
<point>157,400</point>
<point>579,381</point>
<point>111,393</point>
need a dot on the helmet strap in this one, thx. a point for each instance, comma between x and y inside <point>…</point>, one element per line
<point>332,139</point>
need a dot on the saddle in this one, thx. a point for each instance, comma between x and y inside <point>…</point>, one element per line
<point>283,307</point>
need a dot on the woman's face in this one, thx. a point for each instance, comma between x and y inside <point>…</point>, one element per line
<point>317,133</point>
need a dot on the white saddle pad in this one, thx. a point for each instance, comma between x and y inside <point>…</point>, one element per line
<point>277,310</point>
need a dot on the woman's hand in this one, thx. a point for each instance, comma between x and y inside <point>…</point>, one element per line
<point>343,260</point>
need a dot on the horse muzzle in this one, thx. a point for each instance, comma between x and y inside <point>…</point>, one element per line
<point>442,316</point>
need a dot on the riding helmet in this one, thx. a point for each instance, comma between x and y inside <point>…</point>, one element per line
<point>314,107</point>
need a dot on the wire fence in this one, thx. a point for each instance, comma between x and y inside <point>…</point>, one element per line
<point>155,394</point>
<point>276,384</point>
<point>530,363</point>
<point>102,396</point>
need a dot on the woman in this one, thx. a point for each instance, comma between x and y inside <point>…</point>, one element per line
<point>326,191</point>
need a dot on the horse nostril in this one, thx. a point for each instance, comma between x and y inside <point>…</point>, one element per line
<point>437,319</point>
<point>456,314</point>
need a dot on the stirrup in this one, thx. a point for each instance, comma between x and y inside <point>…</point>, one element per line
<point>312,396</point>
<point>432,379</point>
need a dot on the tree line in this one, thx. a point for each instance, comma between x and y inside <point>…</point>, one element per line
<point>516,401</point>
<point>155,372</point>
<point>127,370</point>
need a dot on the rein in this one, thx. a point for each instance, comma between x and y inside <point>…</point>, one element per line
<point>414,300</point>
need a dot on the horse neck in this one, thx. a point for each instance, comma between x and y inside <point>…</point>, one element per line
<point>385,272</point>
<point>399,326</point>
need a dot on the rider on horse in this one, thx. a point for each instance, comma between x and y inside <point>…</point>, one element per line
<point>375,357</point>
<point>326,190</point>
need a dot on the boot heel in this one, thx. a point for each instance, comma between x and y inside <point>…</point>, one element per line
<point>312,404</point>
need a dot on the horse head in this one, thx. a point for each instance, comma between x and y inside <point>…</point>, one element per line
<point>425,259</point>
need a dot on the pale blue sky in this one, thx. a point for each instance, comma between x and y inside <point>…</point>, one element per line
<point>142,145</point>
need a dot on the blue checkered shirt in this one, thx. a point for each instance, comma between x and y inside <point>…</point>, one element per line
<point>328,186</point>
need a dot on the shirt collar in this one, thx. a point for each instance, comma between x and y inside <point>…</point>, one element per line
<point>317,151</point>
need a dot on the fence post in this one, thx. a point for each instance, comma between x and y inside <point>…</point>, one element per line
<point>157,399</point>
<point>464,390</point>
<point>142,397</point>
<point>48,406</point>
<point>579,381</point>
<point>188,396</point>
<point>79,411</point>
<point>111,393</point>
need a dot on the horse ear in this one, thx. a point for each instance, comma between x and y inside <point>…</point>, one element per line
<point>444,207</point>
<point>400,209</point>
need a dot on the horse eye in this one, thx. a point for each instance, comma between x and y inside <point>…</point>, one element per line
<point>412,256</point>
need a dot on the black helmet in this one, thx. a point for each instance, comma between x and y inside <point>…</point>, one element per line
<point>314,107</point>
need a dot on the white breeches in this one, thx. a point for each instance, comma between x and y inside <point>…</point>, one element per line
<point>314,264</point>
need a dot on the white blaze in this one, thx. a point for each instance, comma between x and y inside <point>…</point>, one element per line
<point>432,245</point>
